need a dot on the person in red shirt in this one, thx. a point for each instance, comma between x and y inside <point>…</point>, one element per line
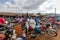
<point>51,20</point>
<point>2,21</point>
<point>2,25</point>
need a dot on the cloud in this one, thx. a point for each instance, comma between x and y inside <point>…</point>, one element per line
<point>22,6</point>
<point>31,4</point>
<point>45,7</point>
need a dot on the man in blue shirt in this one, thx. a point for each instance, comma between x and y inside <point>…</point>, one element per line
<point>37,21</point>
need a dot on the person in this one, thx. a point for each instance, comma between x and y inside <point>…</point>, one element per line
<point>2,24</point>
<point>27,24</point>
<point>8,20</point>
<point>22,21</point>
<point>9,33</point>
<point>37,21</point>
<point>51,20</point>
<point>17,18</point>
<point>24,35</point>
<point>32,23</point>
<point>2,21</point>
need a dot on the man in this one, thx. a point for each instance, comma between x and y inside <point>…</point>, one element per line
<point>22,20</point>
<point>37,21</point>
<point>51,20</point>
<point>2,21</point>
<point>27,24</point>
<point>17,18</point>
<point>32,22</point>
<point>2,25</point>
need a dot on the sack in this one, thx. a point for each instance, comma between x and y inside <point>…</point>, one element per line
<point>18,30</point>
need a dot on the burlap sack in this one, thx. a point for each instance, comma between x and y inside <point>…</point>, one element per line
<point>18,30</point>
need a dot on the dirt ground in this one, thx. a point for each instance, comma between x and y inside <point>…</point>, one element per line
<point>45,37</point>
<point>58,36</point>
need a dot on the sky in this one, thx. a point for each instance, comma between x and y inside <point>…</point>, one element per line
<point>30,6</point>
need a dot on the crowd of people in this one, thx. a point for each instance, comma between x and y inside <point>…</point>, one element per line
<point>30,22</point>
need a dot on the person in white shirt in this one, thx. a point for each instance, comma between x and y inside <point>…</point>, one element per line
<point>32,23</point>
<point>27,24</point>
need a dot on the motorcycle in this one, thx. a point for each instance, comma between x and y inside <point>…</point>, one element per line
<point>42,30</point>
<point>4,31</point>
